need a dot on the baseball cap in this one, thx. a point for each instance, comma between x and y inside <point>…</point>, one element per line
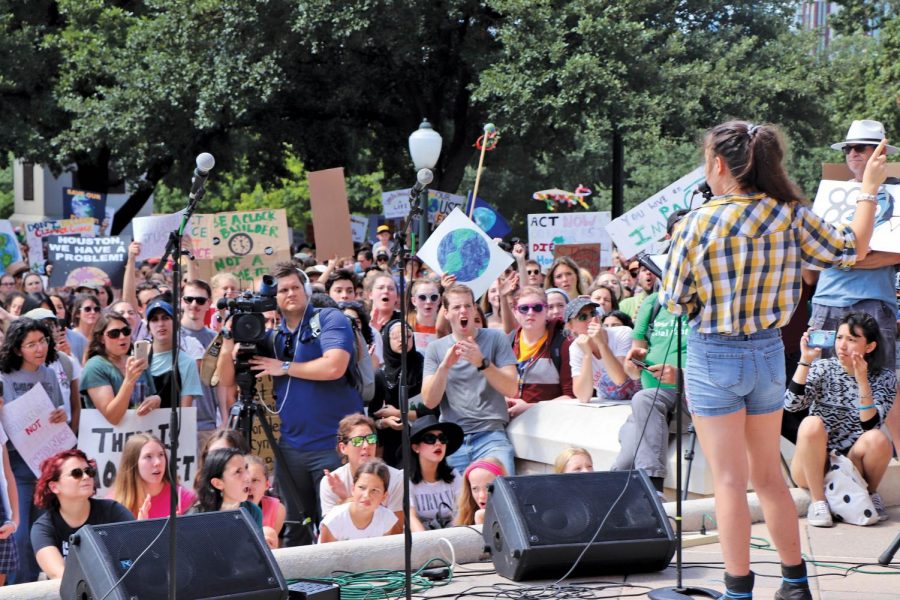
<point>574,307</point>
<point>383,229</point>
<point>39,314</point>
<point>158,304</point>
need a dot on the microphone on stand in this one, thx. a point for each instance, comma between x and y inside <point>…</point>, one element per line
<point>205,163</point>
<point>423,178</point>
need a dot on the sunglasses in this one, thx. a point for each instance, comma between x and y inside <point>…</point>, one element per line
<point>526,308</point>
<point>78,473</point>
<point>431,298</point>
<point>357,440</point>
<point>431,439</point>
<point>860,148</point>
<point>586,316</point>
<point>532,271</point>
<point>199,300</point>
<point>114,334</point>
<point>90,309</point>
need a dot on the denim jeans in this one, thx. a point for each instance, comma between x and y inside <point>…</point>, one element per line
<point>483,444</point>
<point>28,513</point>
<point>649,424</point>
<point>307,471</point>
<point>728,373</point>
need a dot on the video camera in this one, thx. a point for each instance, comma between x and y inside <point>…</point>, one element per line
<point>248,323</point>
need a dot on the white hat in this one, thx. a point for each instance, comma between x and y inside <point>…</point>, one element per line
<point>865,132</point>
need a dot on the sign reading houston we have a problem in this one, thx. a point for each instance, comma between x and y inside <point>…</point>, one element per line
<point>106,255</point>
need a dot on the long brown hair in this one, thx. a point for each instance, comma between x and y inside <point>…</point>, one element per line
<point>128,488</point>
<point>467,504</point>
<point>97,346</point>
<point>754,155</point>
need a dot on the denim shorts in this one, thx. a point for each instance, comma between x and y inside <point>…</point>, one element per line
<point>728,373</point>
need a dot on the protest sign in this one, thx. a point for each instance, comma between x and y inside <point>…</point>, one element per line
<point>395,203</point>
<point>641,227</point>
<point>86,261</point>
<point>36,232</point>
<point>836,203</point>
<point>10,251</point>
<point>259,443</point>
<point>358,227</point>
<point>26,421</point>
<point>153,233</point>
<point>249,233</point>
<point>547,230</point>
<point>104,442</point>
<point>459,247</point>
<point>586,256</point>
<point>79,204</point>
<point>441,204</point>
<point>330,213</point>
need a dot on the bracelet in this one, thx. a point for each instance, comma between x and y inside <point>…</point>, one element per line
<point>13,523</point>
<point>865,406</point>
<point>867,198</point>
<point>803,364</point>
<point>865,396</point>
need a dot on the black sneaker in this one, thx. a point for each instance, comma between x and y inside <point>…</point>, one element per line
<point>793,591</point>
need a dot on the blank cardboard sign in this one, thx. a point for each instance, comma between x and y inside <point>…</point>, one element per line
<point>330,213</point>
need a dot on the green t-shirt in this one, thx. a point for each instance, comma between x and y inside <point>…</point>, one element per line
<point>98,372</point>
<point>662,344</point>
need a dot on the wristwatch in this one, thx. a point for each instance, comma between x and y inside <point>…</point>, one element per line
<point>485,363</point>
<point>285,366</point>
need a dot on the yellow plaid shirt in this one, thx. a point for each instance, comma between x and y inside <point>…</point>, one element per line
<point>735,262</point>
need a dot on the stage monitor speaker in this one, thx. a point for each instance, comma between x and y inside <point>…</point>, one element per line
<point>536,526</point>
<point>219,555</point>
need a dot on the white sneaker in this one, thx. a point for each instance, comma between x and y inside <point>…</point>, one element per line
<point>819,514</point>
<point>879,506</point>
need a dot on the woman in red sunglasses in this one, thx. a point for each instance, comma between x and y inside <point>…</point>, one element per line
<point>112,381</point>
<point>65,489</point>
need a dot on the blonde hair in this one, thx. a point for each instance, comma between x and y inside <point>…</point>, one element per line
<point>128,488</point>
<point>559,466</point>
<point>467,504</point>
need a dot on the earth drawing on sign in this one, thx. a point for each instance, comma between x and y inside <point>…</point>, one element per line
<point>484,218</point>
<point>465,254</point>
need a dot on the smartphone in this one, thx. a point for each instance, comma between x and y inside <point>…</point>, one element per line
<point>821,338</point>
<point>638,363</point>
<point>142,349</point>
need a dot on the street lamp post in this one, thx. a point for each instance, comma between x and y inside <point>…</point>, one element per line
<point>424,149</point>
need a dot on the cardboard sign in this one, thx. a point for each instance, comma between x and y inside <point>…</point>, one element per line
<point>330,213</point>
<point>546,231</point>
<point>10,251</point>
<point>26,421</point>
<point>248,233</point>
<point>396,204</point>
<point>259,443</point>
<point>81,260</point>
<point>836,203</point>
<point>79,204</point>
<point>641,228</point>
<point>358,227</point>
<point>586,256</point>
<point>459,247</point>
<point>153,233</point>
<point>104,442</point>
<point>35,232</point>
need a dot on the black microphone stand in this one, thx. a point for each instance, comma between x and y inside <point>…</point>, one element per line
<point>173,249</point>
<point>888,555</point>
<point>401,256</point>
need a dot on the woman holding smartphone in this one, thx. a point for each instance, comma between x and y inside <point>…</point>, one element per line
<point>112,381</point>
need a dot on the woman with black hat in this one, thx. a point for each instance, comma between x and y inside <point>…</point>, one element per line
<point>435,487</point>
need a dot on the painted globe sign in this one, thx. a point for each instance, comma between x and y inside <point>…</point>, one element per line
<point>465,254</point>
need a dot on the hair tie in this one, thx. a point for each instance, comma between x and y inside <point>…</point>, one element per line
<point>483,464</point>
<point>751,129</point>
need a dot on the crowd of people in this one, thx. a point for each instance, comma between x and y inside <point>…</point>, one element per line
<point>334,347</point>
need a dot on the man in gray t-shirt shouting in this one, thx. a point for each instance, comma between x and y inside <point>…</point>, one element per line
<point>469,373</point>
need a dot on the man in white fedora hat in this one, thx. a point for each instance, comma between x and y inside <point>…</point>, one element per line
<point>869,286</point>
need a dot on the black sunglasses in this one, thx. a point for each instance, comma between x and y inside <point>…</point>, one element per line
<point>114,334</point>
<point>586,316</point>
<point>78,473</point>
<point>536,308</point>
<point>90,309</point>
<point>432,297</point>
<point>200,300</point>
<point>532,271</point>
<point>431,439</point>
<point>860,148</point>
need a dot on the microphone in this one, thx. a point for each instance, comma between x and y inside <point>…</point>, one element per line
<point>705,191</point>
<point>205,163</point>
<point>423,178</point>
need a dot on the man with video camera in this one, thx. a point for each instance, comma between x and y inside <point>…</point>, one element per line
<point>308,357</point>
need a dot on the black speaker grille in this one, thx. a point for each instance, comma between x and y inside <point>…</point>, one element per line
<point>216,558</point>
<point>573,507</point>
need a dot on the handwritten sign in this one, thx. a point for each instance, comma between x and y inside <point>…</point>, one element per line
<point>395,203</point>
<point>641,227</point>
<point>104,442</point>
<point>81,260</point>
<point>441,204</point>
<point>358,227</point>
<point>836,203</point>
<point>153,233</point>
<point>586,256</point>
<point>36,232</point>
<point>249,232</point>
<point>546,231</point>
<point>10,251</point>
<point>79,204</point>
<point>26,422</point>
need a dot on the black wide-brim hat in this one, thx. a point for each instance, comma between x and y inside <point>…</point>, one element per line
<point>422,425</point>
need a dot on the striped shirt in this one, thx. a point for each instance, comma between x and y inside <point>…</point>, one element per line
<point>735,262</point>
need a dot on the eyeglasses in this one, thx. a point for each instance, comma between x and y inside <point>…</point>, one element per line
<point>78,473</point>
<point>859,148</point>
<point>357,440</point>
<point>526,308</point>
<point>114,334</point>
<point>199,300</point>
<point>8,284</point>
<point>90,309</point>
<point>634,272</point>
<point>33,345</point>
<point>431,298</point>
<point>533,271</point>
<point>431,439</point>
<point>586,316</point>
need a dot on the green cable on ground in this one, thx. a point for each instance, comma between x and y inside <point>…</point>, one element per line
<point>382,583</point>
<point>761,543</point>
